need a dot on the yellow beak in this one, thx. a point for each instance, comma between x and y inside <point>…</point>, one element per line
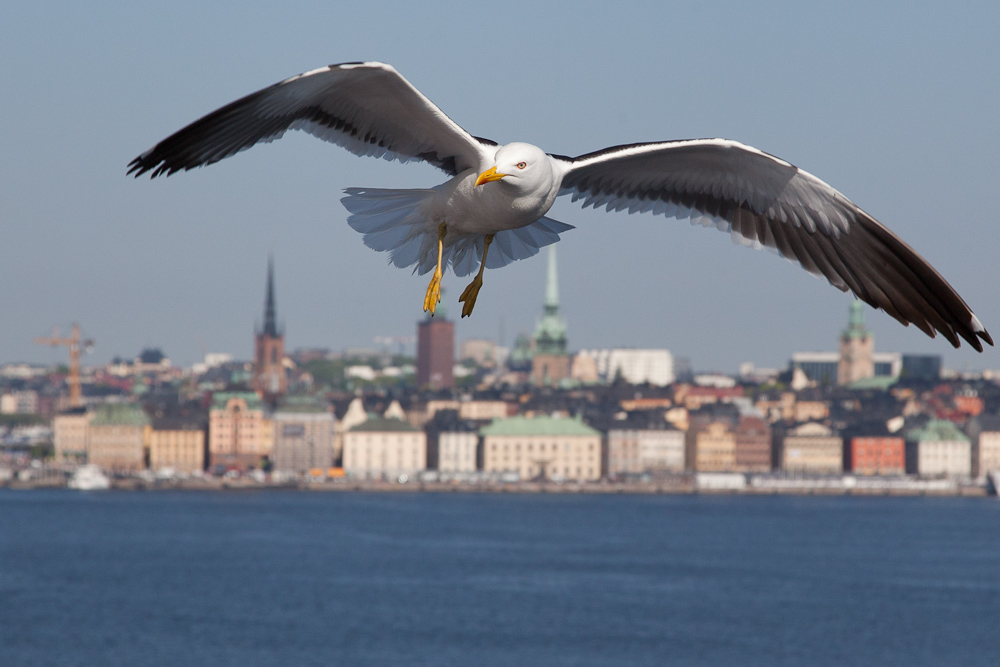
<point>488,176</point>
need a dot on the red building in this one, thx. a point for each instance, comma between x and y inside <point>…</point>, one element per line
<point>876,455</point>
<point>753,445</point>
<point>436,353</point>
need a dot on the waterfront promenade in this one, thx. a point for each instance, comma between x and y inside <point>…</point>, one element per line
<point>692,483</point>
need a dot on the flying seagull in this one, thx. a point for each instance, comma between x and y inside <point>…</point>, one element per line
<point>492,209</point>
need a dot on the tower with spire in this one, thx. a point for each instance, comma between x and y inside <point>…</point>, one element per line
<point>857,347</point>
<point>269,377</point>
<point>550,364</point>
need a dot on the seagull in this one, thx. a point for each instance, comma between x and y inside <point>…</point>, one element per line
<point>492,210</point>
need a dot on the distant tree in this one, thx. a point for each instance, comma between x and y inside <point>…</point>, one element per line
<point>43,450</point>
<point>22,420</point>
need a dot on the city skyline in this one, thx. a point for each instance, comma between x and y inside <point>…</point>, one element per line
<point>896,116</point>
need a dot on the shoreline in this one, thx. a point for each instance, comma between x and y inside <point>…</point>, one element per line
<point>680,486</point>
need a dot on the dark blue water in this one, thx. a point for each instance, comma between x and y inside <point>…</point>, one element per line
<point>296,578</point>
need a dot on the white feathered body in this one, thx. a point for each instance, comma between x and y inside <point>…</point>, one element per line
<point>405,222</point>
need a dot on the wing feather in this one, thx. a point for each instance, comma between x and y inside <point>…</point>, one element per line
<point>367,108</point>
<point>763,201</point>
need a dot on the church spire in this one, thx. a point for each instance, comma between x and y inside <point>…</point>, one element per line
<point>270,319</point>
<point>550,334</point>
<point>552,284</point>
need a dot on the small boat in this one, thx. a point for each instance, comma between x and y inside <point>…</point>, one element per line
<point>89,478</point>
<point>993,482</point>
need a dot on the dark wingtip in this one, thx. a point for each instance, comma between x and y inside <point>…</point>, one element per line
<point>140,166</point>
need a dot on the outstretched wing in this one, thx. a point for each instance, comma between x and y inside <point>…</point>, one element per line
<point>764,201</point>
<point>368,108</point>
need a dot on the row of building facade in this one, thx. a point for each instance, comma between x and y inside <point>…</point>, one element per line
<point>303,435</point>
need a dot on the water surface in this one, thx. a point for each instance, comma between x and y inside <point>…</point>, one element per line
<point>299,578</point>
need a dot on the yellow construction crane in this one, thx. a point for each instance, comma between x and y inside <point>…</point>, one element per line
<point>73,343</point>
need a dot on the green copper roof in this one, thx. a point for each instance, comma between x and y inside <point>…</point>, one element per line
<point>882,382</point>
<point>302,404</point>
<point>119,414</point>
<point>856,322</point>
<point>219,399</point>
<point>538,426</point>
<point>550,334</point>
<point>937,430</point>
<point>381,424</point>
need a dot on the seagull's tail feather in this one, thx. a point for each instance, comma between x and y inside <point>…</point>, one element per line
<point>508,246</point>
<point>396,221</point>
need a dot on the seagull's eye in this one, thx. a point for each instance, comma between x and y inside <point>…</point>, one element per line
<point>521,165</point>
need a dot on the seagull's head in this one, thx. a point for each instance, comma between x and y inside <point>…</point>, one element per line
<point>520,165</point>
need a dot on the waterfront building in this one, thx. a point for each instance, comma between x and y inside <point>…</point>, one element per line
<point>69,434</point>
<point>648,449</point>
<point>711,445</point>
<point>542,447</point>
<point>239,436</point>
<point>938,449</point>
<point>876,455</point>
<point>810,448</point>
<point>380,448</point>
<point>984,434</point>
<point>452,443</point>
<point>753,445</point>
<point>550,362</point>
<point>269,376</point>
<point>303,435</point>
<point>178,444</point>
<point>117,437</point>
<point>436,351</point>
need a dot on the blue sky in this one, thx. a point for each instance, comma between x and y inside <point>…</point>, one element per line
<point>894,104</point>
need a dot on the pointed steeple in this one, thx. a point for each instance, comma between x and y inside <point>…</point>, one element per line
<point>550,334</point>
<point>552,284</point>
<point>270,319</point>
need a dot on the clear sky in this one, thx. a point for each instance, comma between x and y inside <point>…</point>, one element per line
<point>894,103</point>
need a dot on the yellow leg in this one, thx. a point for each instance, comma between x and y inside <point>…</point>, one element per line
<point>433,296</point>
<point>472,291</point>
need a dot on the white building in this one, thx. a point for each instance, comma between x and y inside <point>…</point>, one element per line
<point>645,450</point>
<point>456,451</point>
<point>822,367</point>
<point>384,448</point>
<point>938,449</point>
<point>635,366</point>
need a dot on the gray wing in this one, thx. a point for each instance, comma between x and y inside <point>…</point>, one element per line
<point>765,202</point>
<point>368,108</point>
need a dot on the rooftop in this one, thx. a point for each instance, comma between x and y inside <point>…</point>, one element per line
<point>119,414</point>
<point>937,430</point>
<point>538,426</point>
<point>381,424</point>
<point>220,398</point>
